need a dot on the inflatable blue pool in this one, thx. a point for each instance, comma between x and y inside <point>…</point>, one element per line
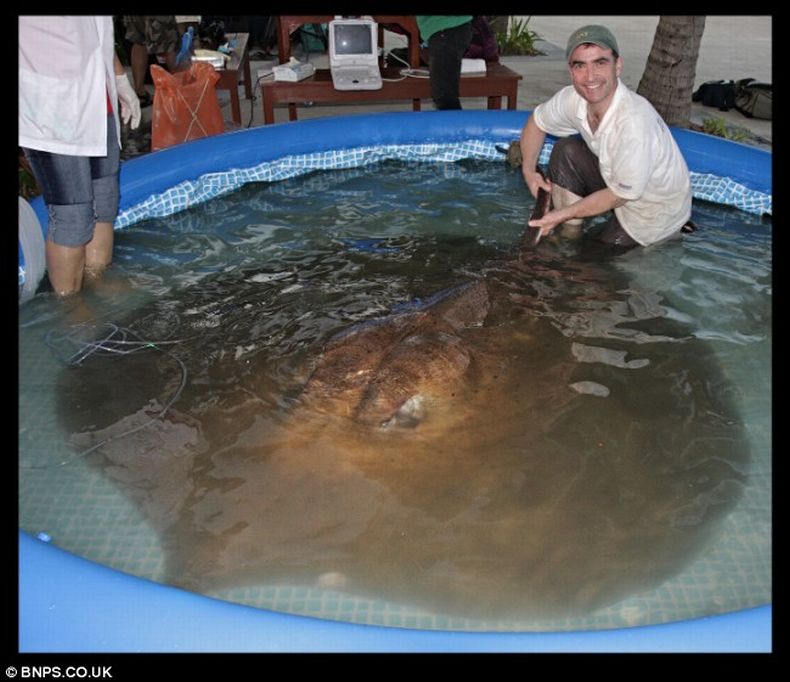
<point>69,604</point>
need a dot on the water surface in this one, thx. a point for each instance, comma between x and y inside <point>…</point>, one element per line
<point>603,444</point>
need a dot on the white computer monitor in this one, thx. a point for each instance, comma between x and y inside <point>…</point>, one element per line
<point>354,54</point>
<point>353,42</point>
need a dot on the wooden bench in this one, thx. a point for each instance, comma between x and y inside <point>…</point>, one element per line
<point>498,82</point>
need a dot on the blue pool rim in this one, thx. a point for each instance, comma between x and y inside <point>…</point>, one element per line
<point>70,604</point>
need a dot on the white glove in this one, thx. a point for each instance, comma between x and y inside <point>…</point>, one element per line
<point>130,102</point>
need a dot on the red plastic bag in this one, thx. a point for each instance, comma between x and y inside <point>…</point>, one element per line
<point>185,105</point>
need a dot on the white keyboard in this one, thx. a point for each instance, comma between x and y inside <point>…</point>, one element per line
<point>356,79</point>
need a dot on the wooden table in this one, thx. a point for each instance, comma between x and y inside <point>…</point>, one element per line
<point>498,82</point>
<point>229,76</point>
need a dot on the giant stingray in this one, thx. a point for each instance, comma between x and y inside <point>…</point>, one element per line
<point>483,453</point>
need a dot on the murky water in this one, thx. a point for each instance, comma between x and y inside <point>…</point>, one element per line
<point>589,445</point>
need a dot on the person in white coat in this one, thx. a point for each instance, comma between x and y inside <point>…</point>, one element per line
<point>71,87</point>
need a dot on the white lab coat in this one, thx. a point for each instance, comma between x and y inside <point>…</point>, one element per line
<point>66,73</point>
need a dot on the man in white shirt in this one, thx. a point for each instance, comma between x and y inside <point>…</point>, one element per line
<point>70,86</point>
<point>624,158</point>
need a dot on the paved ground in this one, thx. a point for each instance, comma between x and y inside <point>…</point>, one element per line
<point>733,47</point>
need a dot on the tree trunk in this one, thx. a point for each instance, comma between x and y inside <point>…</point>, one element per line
<point>668,80</point>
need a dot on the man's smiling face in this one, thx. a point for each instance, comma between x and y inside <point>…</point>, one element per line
<point>594,72</point>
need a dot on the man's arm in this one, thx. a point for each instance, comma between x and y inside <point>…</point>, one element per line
<point>593,204</point>
<point>531,142</point>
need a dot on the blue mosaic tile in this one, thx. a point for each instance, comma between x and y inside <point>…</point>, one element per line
<point>211,185</point>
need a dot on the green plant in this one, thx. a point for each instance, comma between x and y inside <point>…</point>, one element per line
<point>719,127</point>
<point>519,39</point>
<point>28,187</point>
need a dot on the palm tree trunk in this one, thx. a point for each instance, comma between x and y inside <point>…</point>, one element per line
<point>668,80</point>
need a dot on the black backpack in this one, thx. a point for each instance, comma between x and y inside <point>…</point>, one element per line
<point>754,99</point>
<point>719,94</point>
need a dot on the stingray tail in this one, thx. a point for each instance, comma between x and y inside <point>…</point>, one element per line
<point>543,204</point>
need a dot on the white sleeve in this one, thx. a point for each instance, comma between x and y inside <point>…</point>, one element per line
<point>558,115</point>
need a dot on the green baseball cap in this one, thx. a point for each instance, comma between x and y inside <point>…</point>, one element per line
<point>597,35</point>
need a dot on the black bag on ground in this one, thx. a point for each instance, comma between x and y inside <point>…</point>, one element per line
<point>754,99</point>
<point>719,94</point>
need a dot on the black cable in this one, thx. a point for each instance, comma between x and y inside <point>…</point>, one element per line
<point>253,99</point>
<point>112,346</point>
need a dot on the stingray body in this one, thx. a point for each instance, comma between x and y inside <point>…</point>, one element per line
<point>380,372</point>
<point>438,456</point>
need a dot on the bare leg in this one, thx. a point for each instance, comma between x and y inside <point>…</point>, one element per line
<point>139,60</point>
<point>170,60</point>
<point>65,267</point>
<point>570,229</point>
<point>98,251</point>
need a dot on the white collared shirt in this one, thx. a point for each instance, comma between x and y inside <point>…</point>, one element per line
<point>639,159</point>
<point>65,75</point>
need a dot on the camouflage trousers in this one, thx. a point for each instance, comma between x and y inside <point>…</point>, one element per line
<point>158,34</point>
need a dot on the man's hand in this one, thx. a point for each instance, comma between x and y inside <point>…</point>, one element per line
<point>549,221</point>
<point>534,180</point>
